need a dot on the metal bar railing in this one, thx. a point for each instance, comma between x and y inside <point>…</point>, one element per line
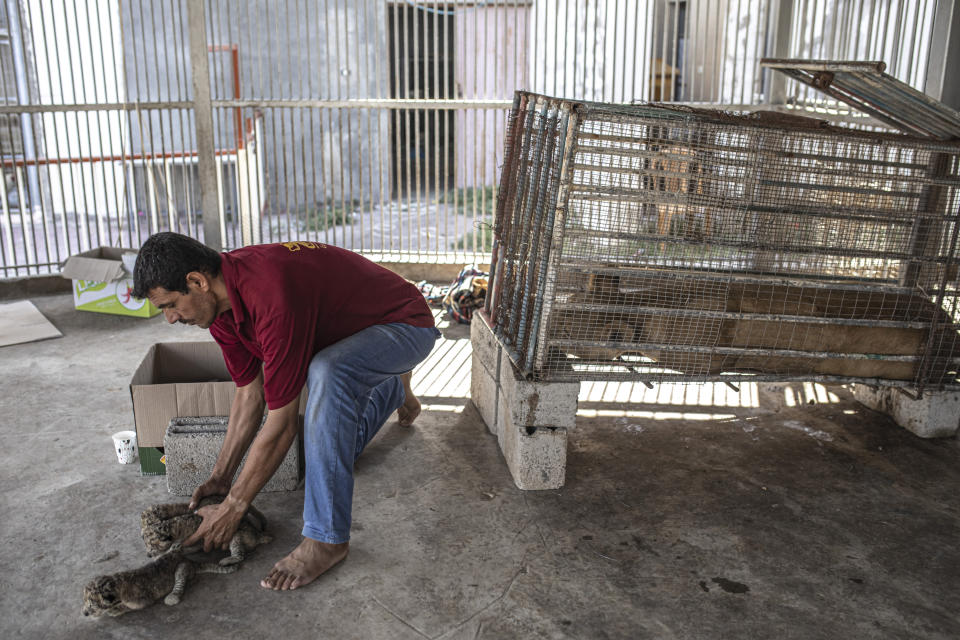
<point>382,125</point>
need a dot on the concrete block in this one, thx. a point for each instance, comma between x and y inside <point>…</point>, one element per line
<point>536,456</point>
<point>486,359</point>
<point>484,393</point>
<point>935,415</point>
<point>534,404</point>
<point>483,341</point>
<point>191,446</point>
<point>530,419</point>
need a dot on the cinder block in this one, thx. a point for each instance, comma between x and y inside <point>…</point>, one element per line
<point>534,404</point>
<point>935,415</point>
<point>536,456</point>
<point>483,341</point>
<point>486,360</point>
<point>484,393</point>
<point>530,419</point>
<point>191,446</point>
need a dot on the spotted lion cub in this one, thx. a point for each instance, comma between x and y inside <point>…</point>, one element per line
<point>165,577</point>
<point>162,525</point>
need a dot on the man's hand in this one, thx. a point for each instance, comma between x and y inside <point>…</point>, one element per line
<point>212,487</point>
<point>220,522</point>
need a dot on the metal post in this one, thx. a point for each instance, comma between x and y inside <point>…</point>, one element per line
<point>203,119</point>
<point>944,54</point>
<point>23,97</point>
<point>554,245</point>
<point>926,231</point>
<point>783,21</point>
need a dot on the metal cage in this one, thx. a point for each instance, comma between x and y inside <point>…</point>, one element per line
<point>665,243</point>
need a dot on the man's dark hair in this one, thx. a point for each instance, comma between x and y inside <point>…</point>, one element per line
<point>166,258</point>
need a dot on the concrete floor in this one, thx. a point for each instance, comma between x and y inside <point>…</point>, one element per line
<point>779,512</point>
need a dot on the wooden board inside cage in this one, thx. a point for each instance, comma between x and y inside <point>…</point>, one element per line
<point>757,328</point>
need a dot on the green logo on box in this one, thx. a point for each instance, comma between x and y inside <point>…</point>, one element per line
<point>112,297</point>
<point>84,286</point>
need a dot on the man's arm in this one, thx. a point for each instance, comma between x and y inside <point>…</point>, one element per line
<point>266,453</point>
<point>246,414</point>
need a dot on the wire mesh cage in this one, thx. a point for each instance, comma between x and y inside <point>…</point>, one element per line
<point>653,243</point>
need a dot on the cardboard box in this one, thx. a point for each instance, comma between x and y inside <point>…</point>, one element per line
<point>178,380</point>
<point>102,284</point>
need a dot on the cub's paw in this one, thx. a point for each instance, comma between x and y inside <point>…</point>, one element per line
<point>231,561</point>
<point>171,599</point>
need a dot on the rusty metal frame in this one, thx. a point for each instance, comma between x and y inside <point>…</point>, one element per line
<point>865,86</point>
<point>531,253</point>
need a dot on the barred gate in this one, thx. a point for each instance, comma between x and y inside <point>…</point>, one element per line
<point>377,125</point>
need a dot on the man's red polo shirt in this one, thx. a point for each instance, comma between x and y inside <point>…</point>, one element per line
<point>290,300</point>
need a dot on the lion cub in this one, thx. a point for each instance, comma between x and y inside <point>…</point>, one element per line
<point>166,577</point>
<point>164,524</point>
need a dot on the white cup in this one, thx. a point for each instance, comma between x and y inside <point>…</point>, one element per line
<point>125,444</point>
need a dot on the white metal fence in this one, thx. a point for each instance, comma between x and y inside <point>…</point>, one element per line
<point>371,124</point>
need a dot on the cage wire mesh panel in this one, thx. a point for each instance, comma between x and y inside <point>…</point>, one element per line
<point>657,243</point>
<point>899,32</point>
<point>865,86</point>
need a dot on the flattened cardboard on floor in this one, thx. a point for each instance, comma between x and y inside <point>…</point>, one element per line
<point>21,322</point>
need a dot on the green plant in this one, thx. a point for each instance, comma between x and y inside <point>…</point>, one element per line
<point>319,216</point>
<point>470,201</point>
<point>467,200</point>
<point>482,235</point>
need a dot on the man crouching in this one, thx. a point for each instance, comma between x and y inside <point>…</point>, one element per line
<point>288,315</point>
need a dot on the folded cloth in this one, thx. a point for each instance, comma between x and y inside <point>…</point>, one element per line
<point>467,294</point>
<point>433,293</point>
<point>460,298</point>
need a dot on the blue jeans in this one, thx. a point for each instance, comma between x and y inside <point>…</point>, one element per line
<point>353,387</point>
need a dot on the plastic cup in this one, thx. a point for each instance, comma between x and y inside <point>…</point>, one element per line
<point>125,444</point>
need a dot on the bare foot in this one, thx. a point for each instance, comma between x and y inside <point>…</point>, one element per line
<point>304,564</point>
<point>410,409</point>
